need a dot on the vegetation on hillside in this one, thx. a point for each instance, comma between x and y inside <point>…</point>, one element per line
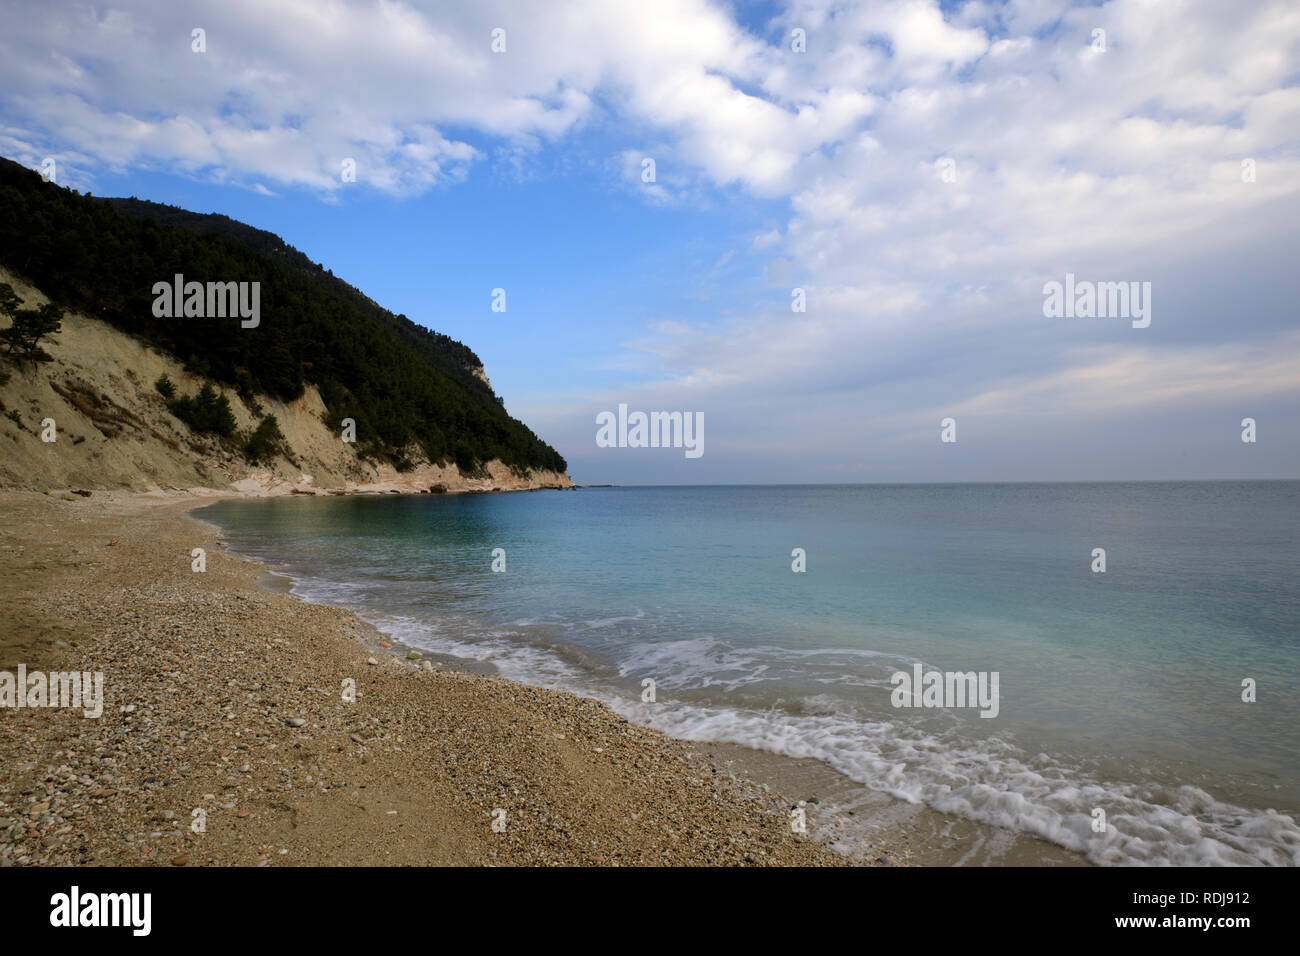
<point>21,341</point>
<point>265,442</point>
<point>207,412</point>
<point>402,384</point>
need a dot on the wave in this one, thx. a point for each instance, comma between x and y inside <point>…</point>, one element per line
<point>993,782</point>
<point>989,780</point>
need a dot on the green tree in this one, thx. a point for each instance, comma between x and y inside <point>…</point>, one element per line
<point>22,338</point>
<point>208,411</point>
<point>265,442</point>
<point>27,326</point>
<point>9,301</point>
<point>8,306</point>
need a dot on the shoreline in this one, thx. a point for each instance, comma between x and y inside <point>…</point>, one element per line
<point>865,825</point>
<point>760,775</point>
<point>222,696</point>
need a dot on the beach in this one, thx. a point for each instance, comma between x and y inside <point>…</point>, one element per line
<point>227,738</point>
<point>695,596</point>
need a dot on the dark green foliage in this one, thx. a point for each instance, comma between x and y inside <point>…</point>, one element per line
<point>208,411</point>
<point>9,302</point>
<point>266,441</point>
<point>402,383</point>
<point>21,340</point>
<point>244,389</point>
<point>164,386</point>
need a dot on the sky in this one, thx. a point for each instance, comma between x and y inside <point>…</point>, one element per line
<point>921,171</point>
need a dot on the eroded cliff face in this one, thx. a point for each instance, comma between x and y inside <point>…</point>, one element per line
<point>112,429</point>
<point>384,479</point>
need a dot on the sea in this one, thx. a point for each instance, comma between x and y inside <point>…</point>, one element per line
<point>1146,714</point>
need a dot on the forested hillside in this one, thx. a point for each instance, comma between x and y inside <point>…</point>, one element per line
<point>402,384</point>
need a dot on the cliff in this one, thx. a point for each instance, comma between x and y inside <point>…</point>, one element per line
<point>112,429</point>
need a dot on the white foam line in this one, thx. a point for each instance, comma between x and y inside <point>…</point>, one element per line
<point>990,782</point>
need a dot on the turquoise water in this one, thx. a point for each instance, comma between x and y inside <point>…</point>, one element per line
<point>1119,690</point>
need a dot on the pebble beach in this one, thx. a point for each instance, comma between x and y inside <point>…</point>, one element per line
<point>242,726</point>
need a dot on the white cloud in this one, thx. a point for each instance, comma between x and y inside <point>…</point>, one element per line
<point>1123,164</point>
<point>287,88</point>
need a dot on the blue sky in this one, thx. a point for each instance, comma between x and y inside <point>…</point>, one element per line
<point>920,171</point>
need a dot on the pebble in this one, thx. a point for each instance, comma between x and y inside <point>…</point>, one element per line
<point>214,667</point>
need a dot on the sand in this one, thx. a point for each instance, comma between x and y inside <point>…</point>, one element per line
<point>227,697</point>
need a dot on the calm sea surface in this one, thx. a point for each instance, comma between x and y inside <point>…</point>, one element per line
<point>1120,690</point>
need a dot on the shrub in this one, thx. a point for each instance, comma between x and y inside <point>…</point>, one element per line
<point>244,389</point>
<point>165,387</point>
<point>209,411</point>
<point>266,441</point>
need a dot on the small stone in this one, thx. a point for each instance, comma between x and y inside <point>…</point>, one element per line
<point>295,721</point>
<point>180,860</point>
<point>414,656</point>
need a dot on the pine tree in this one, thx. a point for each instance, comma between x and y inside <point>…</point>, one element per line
<point>28,326</point>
